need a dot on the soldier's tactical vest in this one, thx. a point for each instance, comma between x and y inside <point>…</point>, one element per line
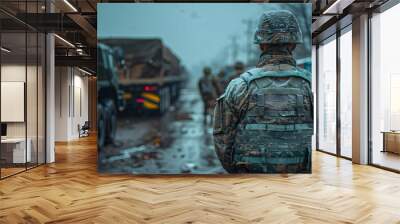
<point>274,135</point>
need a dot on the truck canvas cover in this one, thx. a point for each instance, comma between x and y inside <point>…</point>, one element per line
<point>146,59</point>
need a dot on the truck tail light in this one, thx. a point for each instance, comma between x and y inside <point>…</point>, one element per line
<point>139,100</point>
<point>149,88</point>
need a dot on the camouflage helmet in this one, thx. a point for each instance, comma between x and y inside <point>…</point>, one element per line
<point>207,70</point>
<point>278,27</point>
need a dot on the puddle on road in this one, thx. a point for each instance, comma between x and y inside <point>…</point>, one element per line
<point>176,143</point>
<point>183,117</point>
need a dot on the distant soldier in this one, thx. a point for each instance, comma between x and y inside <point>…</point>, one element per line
<point>207,91</point>
<point>264,120</point>
<point>221,81</point>
<point>239,69</point>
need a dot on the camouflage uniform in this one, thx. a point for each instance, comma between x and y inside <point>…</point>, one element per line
<point>220,82</point>
<point>263,123</point>
<point>207,90</point>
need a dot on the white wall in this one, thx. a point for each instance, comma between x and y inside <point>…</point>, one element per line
<point>33,126</point>
<point>61,103</point>
<point>12,73</point>
<point>80,109</point>
<point>71,94</point>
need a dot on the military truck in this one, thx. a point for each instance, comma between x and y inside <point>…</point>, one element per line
<point>109,96</point>
<point>153,76</point>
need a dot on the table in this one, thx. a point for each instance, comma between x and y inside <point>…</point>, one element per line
<point>391,141</point>
<point>16,147</point>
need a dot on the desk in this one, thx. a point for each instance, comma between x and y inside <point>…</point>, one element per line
<point>391,141</point>
<point>16,147</point>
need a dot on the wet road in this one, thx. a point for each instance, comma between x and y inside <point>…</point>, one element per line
<point>177,142</point>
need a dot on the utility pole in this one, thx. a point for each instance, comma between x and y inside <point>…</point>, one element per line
<point>235,48</point>
<point>249,34</point>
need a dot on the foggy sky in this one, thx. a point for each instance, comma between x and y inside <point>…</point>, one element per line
<point>197,32</point>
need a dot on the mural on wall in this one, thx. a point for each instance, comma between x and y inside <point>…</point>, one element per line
<point>210,88</point>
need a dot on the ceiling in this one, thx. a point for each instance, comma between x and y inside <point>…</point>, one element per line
<point>76,22</point>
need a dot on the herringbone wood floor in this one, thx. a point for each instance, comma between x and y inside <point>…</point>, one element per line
<point>71,191</point>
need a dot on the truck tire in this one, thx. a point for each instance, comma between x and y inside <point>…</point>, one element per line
<point>167,98</point>
<point>101,130</point>
<point>111,124</point>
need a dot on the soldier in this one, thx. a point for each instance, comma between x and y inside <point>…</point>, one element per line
<point>220,82</point>
<point>207,92</point>
<point>263,123</point>
<point>239,69</point>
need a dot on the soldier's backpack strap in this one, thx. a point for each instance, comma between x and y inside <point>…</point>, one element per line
<point>252,75</point>
<point>257,73</point>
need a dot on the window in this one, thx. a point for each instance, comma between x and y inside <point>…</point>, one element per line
<point>314,89</point>
<point>385,89</point>
<point>22,76</point>
<point>327,96</point>
<point>346,93</point>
